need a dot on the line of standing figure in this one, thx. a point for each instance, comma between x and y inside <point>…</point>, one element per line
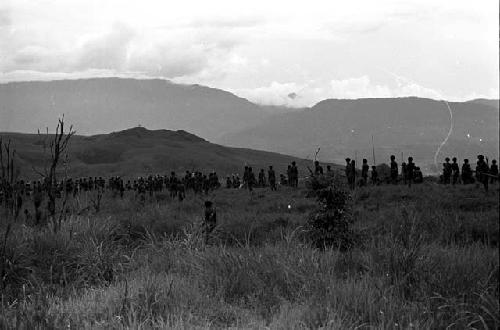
<point>410,173</point>
<point>485,174</point>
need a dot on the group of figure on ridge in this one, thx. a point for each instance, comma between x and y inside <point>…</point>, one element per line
<point>410,173</point>
<point>249,181</point>
<point>484,173</point>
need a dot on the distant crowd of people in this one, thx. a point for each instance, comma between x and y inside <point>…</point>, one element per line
<point>199,183</point>
<point>249,181</point>
<point>410,173</point>
<point>483,173</point>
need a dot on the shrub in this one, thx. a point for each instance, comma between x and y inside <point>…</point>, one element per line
<point>329,224</point>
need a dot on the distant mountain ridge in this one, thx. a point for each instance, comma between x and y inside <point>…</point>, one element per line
<point>341,128</point>
<point>100,105</point>
<point>490,102</point>
<point>408,126</point>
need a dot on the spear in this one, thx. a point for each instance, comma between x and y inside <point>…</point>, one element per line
<point>373,151</point>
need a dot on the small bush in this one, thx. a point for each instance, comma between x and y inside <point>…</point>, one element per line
<point>329,224</point>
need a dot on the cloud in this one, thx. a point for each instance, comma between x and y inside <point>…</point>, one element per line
<point>352,26</point>
<point>311,92</point>
<point>107,52</point>
<point>274,94</point>
<point>265,51</point>
<point>5,18</point>
<point>186,54</point>
<point>37,58</point>
<point>227,22</point>
<point>122,49</point>
<point>29,56</point>
<point>169,60</point>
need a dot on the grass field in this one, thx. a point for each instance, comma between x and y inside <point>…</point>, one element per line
<point>426,257</point>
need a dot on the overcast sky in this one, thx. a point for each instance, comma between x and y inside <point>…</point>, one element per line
<point>273,52</point>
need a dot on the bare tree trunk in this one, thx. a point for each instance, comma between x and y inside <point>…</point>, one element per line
<point>57,147</point>
<point>8,188</point>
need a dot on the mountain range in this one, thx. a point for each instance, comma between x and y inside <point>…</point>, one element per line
<point>361,128</point>
<point>365,128</point>
<point>103,105</point>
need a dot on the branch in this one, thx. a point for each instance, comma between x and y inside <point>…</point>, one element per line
<point>1,158</point>
<point>38,172</point>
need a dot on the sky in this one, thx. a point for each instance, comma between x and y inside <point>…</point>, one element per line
<point>293,53</point>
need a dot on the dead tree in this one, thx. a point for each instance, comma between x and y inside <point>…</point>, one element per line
<point>55,144</point>
<point>8,176</point>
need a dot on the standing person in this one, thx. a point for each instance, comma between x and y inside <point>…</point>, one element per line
<point>198,183</point>
<point>482,171</point>
<point>289,174</point>
<point>271,175</point>
<point>262,178</point>
<point>352,179</point>
<point>173,185</point>
<point>374,175</point>
<point>466,172</point>
<point>236,181</point>
<point>447,171</point>
<point>410,168</point>
<point>443,174</point>
<point>206,184</point>
<point>494,171</point>
<point>250,179</point>
<point>245,177</point>
<point>122,188</point>
<point>477,172</point>
<point>295,174</point>
<point>364,171</point>
<point>318,169</point>
<point>455,171</point>
<point>329,170</point>
<point>394,170</point>
<point>209,220</point>
<point>404,173</point>
<point>141,190</point>
<point>418,177</point>
<point>348,170</point>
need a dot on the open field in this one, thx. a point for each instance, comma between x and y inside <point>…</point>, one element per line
<point>426,257</point>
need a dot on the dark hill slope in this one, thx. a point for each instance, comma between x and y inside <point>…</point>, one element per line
<point>102,105</point>
<point>411,125</point>
<point>139,151</point>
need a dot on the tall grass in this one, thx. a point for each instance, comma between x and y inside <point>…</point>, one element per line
<point>428,259</point>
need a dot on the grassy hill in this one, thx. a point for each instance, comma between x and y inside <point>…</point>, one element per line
<point>414,126</point>
<point>139,151</point>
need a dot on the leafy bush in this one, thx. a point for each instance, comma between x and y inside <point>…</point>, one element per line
<point>329,224</point>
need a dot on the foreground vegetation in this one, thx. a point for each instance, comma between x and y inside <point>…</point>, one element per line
<point>425,257</point>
